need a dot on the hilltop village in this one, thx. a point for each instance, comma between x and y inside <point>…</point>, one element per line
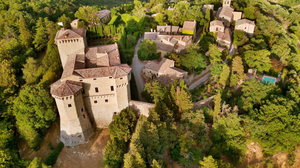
<point>150,83</point>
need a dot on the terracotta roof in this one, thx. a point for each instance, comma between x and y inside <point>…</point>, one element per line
<point>226,36</point>
<point>161,66</point>
<point>65,88</point>
<point>103,55</point>
<point>103,13</point>
<point>216,23</point>
<point>226,11</point>
<point>153,65</point>
<point>151,35</point>
<point>177,37</point>
<point>68,33</point>
<point>74,61</point>
<point>244,21</point>
<point>168,29</point>
<point>114,71</point>
<point>189,25</point>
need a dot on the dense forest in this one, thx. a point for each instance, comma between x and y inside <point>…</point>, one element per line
<point>241,112</point>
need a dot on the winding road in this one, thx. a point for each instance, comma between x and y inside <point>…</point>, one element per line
<point>137,67</point>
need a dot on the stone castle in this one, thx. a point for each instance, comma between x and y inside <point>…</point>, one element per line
<point>93,87</point>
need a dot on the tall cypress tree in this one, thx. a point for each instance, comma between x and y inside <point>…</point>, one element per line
<point>40,39</point>
<point>25,34</point>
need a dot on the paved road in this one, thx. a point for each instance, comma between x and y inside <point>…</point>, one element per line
<point>137,67</point>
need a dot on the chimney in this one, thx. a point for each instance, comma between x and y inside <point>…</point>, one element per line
<point>194,20</point>
<point>151,30</point>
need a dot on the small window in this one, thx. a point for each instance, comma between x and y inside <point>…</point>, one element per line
<point>112,88</point>
<point>82,109</point>
<point>110,77</point>
<point>96,89</point>
<point>115,113</point>
<point>95,101</point>
<point>80,80</point>
<point>121,78</point>
<point>83,116</point>
<point>75,24</point>
<point>106,100</point>
<point>95,79</point>
<point>83,91</point>
<point>69,105</point>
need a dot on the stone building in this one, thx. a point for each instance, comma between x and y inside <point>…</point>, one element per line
<point>93,87</point>
<point>155,69</point>
<point>245,25</point>
<point>224,38</point>
<point>168,29</point>
<point>104,15</point>
<point>189,28</point>
<point>216,26</point>
<point>74,24</point>
<point>169,43</point>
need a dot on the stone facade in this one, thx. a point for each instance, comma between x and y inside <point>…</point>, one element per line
<point>104,16</point>
<point>216,26</point>
<point>93,88</point>
<point>245,25</point>
<point>74,24</point>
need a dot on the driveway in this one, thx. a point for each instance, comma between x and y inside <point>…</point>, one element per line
<point>137,67</point>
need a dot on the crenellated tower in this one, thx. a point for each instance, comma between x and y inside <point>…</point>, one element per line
<point>69,41</point>
<point>75,125</point>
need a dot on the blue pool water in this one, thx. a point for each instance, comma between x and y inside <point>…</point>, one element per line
<point>269,80</point>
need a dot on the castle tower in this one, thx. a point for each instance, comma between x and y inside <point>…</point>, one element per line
<point>226,3</point>
<point>69,41</point>
<point>75,125</point>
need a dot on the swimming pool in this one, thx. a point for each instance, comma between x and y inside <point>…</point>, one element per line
<point>267,79</point>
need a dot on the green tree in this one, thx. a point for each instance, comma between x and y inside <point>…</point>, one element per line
<point>7,137</point>
<point>7,76</point>
<point>136,161</point>
<point>217,108</point>
<point>139,10</point>
<point>259,60</point>
<point>155,164</point>
<point>66,21</point>
<point>34,112</point>
<point>229,135</point>
<point>183,98</point>
<point>114,153</point>
<point>215,54</point>
<point>122,125</point>
<point>216,69</point>
<point>37,163</point>
<point>249,12</point>
<point>209,162</point>
<point>160,19</point>
<point>88,14</point>
<point>147,50</point>
<point>193,60</point>
<point>224,75</point>
<point>26,36</point>
<point>237,67</point>
<point>30,70</point>
<point>9,158</point>
<point>40,38</point>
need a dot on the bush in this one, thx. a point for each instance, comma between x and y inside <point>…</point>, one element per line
<point>51,159</point>
<point>50,146</point>
<point>147,50</point>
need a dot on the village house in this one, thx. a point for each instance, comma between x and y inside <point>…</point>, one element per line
<point>74,24</point>
<point>216,26</point>
<point>168,29</point>
<point>104,16</point>
<point>93,87</point>
<point>189,28</point>
<point>155,69</point>
<point>237,16</point>
<point>169,43</point>
<point>224,38</point>
<point>245,25</point>
<point>225,13</point>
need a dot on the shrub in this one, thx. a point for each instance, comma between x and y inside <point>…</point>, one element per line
<point>51,159</point>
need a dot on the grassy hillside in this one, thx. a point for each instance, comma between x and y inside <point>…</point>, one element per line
<point>290,3</point>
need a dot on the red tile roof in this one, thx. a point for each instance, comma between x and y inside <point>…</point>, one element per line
<point>66,88</point>
<point>189,25</point>
<point>68,33</point>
